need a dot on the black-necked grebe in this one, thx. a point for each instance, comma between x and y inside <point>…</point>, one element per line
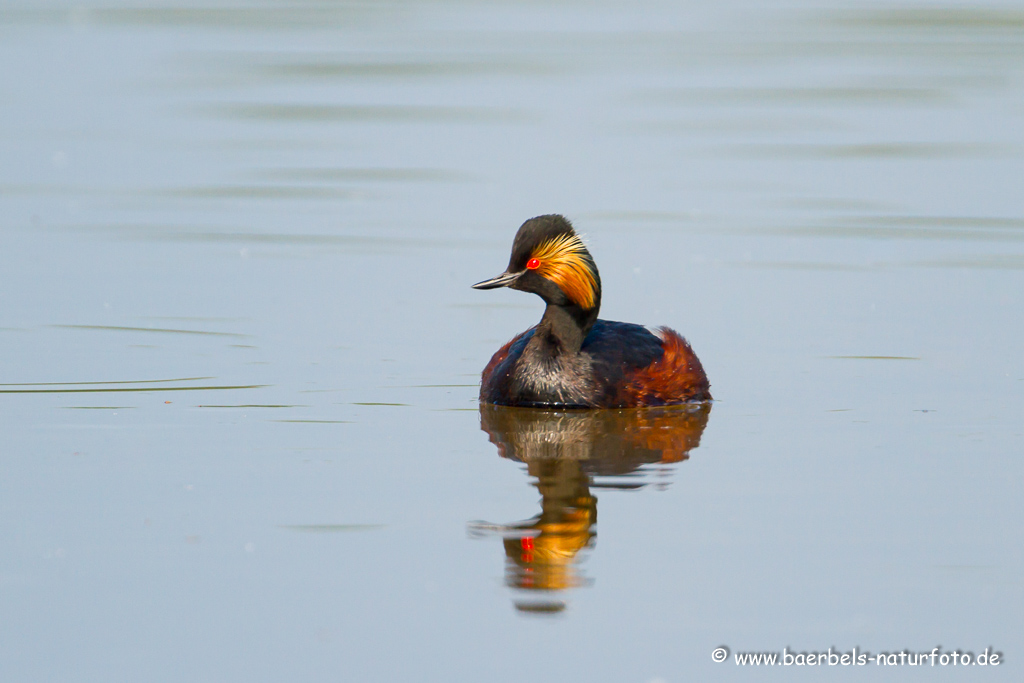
<point>570,358</point>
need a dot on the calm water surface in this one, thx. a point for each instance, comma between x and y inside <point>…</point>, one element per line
<point>240,354</point>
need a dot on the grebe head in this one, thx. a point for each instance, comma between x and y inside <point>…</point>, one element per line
<point>550,260</point>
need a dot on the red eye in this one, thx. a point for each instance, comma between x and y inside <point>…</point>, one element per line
<point>533,264</point>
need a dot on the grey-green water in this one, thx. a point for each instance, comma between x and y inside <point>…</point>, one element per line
<point>240,352</point>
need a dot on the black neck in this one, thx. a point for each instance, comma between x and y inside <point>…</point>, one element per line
<point>563,328</point>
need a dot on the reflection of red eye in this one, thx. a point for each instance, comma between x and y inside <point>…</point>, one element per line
<point>533,264</point>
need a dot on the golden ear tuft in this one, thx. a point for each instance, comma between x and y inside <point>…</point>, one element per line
<point>565,261</point>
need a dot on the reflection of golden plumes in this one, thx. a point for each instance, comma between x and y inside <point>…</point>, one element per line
<point>563,451</point>
<point>545,561</point>
<point>540,556</point>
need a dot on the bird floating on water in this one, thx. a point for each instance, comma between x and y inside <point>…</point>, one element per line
<point>571,359</point>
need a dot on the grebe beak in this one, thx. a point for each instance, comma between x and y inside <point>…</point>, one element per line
<point>503,280</point>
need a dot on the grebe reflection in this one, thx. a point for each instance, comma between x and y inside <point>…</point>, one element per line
<point>569,453</point>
